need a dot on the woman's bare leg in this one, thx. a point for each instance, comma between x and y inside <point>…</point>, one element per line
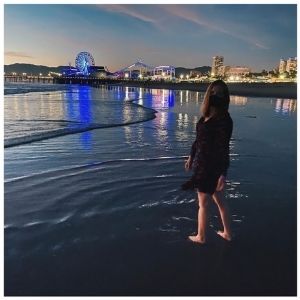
<point>219,199</point>
<point>202,219</point>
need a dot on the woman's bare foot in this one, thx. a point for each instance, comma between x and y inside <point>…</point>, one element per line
<point>225,236</point>
<point>197,239</point>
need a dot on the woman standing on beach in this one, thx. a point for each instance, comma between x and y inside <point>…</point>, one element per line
<point>209,158</point>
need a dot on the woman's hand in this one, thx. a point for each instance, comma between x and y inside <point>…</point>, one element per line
<point>221,183</point>
<point>188,164</point>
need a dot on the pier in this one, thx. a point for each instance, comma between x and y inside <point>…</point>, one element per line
<point>93,81</point>
<point>28,78</point>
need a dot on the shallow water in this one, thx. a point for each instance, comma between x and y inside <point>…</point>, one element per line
<point>101,212</point>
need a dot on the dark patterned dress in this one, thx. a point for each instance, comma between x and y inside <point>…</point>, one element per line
<point>210,152</point>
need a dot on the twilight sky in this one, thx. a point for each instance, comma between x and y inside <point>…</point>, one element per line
<point>250,35</point>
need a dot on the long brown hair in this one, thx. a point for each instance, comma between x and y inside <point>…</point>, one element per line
<point>222,92</point>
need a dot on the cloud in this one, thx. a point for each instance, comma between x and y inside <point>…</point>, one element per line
<point>126,10</point>
<point>17,54</point>
<point>186,14</point>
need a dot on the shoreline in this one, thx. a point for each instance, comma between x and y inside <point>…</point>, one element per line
<point>287,90</point>
<point>273,90</point>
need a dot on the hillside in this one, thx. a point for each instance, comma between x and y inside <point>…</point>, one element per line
<point>37,69</point>
<point>31,69</point>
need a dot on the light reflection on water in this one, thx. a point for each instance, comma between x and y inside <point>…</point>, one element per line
<point>285,106</point>
<point>238,100</point>
<point>176,118</point>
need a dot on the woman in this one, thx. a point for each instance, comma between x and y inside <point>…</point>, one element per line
<point>209,158</point>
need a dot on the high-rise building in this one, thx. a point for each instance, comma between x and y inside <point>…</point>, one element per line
<point>291,65</point>
<point>217,62</point>
<point>282,66</point>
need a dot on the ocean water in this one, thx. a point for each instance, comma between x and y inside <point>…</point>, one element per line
<point>93,204</point>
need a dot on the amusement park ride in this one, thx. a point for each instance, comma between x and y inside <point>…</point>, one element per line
<point>84,61</point>
<point>85,67</point>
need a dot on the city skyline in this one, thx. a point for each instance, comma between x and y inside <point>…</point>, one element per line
<point>252,35</point>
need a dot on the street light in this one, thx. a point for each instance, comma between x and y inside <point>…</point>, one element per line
<point>181,76</point>
<point>41,74</point>
<point>126,75</point>
<point>187,76</point>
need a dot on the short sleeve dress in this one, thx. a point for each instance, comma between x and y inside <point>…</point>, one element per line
<point>210,152</point>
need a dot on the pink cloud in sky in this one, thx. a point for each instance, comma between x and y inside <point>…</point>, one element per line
<point>187,14</point>
<point>17,54</point>
<point>126,10</point>
<point>131,12</point>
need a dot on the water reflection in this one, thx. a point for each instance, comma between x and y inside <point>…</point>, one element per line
<point>158,99</point>
<point>163,98</point>
<point>79,109</point>
<point>24,107</point>
<point>183,121</point>
<point>126,94</point>
<point>285,106</point>
<point>238,100</point>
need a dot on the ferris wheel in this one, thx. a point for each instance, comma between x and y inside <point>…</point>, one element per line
<point>83,61</point>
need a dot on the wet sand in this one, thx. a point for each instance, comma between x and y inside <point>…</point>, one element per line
<point>274,90</point>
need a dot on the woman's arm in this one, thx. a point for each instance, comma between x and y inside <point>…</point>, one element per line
<point>193,150</point>
<point>222,138</point>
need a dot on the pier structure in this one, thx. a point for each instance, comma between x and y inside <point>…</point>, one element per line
<point>28,78</point>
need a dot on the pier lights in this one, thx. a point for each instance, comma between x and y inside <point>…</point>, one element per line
<point>14,73</point>
<point>181,76</point>
<point>163,74</point>
<point>140,76</point>
<point>126,75</point>
<point>187,76</point>
<point>24,74</point>
<point>41,74</point>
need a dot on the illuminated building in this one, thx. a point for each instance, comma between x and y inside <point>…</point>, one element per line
<point>216,64</point>
<point>99,71</point>
<point>282,66</point>
<point>70,71</point>
<point>238,71</point>
<point>164,72</point>
<point>291,65</point>
<point>223,70</point>
<point>195,73</point>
